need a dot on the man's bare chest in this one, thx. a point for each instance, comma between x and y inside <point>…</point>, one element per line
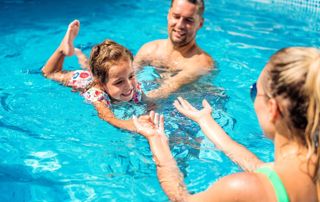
<point>169,64</point>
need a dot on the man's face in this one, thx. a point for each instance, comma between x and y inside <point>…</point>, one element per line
<point>183,22</point>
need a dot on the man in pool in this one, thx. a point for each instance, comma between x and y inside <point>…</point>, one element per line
<point>178,59</point>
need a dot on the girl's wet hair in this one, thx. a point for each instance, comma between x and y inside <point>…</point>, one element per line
<point>105,55</point>
<point>294,79</point>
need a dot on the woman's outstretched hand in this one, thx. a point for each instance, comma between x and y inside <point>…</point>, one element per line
<point>150,125</point>
<point>185,108</point>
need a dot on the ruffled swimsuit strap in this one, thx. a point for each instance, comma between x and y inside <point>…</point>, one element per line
<point>96,95</point>
<point>137,96</point>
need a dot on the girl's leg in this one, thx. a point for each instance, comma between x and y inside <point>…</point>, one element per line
<point>82,58</point>
<point>66,48</point>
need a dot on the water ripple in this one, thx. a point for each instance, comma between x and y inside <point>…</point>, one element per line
<point>4,101</point>
<point>12,55</point>
<point>19,129</point>
<point>80,192</point>
<point>43,161</point>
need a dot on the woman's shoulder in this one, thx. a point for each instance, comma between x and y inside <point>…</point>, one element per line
<point>244,186</point>
<point>241,180</point>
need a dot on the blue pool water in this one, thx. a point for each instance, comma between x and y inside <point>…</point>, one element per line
<point>53,147</point>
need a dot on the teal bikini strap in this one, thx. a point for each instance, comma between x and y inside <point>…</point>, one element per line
<point>275,180</point>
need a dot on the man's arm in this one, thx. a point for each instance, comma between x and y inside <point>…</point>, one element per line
<point>172,84</point>
<point>146,54</point>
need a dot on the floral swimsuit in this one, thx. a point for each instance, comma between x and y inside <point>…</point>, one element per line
<point>82,78</point>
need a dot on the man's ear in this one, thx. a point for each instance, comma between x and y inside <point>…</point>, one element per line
<point>201,22</point>
<point>168,14</point>
<point>273,110</point>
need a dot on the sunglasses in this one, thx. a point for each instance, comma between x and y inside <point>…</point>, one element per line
<point>253,91</point>
<point>254,94</point>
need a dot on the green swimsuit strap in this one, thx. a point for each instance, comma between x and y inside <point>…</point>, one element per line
<point>275,180</point>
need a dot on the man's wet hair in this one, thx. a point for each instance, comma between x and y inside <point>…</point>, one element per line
<point>199,3</point>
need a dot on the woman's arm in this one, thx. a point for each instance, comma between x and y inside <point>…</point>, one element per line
<point>235,151</point>
<point>240,186</point>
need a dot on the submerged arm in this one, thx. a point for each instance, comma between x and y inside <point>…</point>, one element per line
<point>174,83</point>
<point>139,62</point>
<point>193,70</point>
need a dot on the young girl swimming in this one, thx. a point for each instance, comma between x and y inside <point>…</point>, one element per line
<point>109,79</point>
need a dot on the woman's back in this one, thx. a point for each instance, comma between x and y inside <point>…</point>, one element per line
<point>297,177</point>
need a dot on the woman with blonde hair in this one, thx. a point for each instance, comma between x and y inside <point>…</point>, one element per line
<point>287,103</point>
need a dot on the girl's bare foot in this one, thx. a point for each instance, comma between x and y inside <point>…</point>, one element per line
<point>66,46</point>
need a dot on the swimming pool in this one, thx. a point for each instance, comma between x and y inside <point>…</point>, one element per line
<point>53,147</point>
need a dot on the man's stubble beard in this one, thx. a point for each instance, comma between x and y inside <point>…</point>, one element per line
<point>179,44</point>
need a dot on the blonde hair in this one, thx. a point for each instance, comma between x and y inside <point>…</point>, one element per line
<point>295,78</point>
<point>105,55</point>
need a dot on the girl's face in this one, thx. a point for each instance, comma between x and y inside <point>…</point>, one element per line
<point>121,82</point>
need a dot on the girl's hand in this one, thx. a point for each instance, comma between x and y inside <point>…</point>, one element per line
<point>151,125</point>
<point>185,108</point>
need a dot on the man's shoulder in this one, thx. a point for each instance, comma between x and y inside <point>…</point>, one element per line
<point>203,60</point>
<point>153,45</point>
<point>150,48</point>
<point>148,52</point>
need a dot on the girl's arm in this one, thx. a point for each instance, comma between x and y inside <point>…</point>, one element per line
<point>235,151</point>
<point>106,114</point>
